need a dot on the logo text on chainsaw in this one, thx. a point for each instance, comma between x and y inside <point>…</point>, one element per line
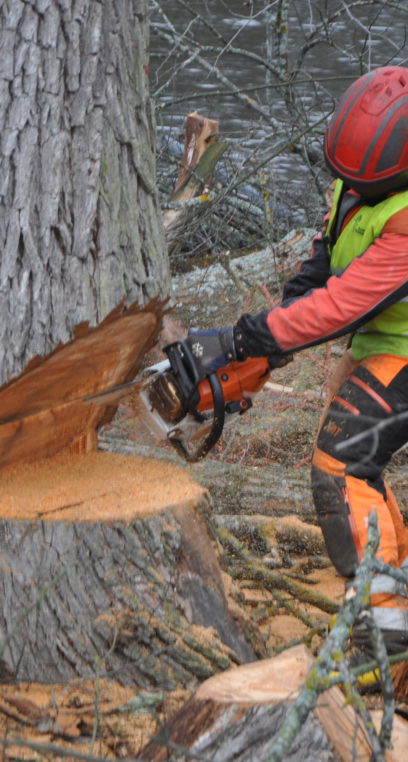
<point>197,349</point>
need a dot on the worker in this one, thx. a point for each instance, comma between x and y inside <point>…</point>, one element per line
<point>355,282</point>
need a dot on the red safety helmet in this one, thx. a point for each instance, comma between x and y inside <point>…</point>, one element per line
<point>366,142</point>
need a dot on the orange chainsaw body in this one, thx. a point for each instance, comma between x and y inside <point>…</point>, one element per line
<point>239,381</point>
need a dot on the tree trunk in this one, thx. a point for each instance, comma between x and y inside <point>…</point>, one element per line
<point>80,225</point>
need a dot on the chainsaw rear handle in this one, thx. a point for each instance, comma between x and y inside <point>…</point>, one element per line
<point>187,379</point>
<point>217,426</point>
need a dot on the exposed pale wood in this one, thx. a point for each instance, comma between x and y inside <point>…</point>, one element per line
<point>399,751</point>
<point>201,153</point>
<point>343,727</point>
<point>238,713</point>
<point>279,388</point>
<point>348,734</point>
<point>267,681</point>
<point>41,411</point>
<point>200,132</point>
<point>95,486</point>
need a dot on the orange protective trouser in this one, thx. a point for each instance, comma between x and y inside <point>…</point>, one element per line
<point>371,405</point>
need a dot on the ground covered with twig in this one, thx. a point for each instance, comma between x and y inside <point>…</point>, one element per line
<point>258,479</point>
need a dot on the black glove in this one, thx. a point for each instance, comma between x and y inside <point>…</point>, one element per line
<point>212,349</point>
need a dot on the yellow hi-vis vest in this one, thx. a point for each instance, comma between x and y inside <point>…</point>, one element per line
<point>388,332</point>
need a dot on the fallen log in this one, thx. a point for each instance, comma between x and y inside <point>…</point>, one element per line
<point>218,291</point>
<point>272,490</point>
<point>238,714</point>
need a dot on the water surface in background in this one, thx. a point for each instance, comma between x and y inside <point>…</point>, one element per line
<point>366,35</point>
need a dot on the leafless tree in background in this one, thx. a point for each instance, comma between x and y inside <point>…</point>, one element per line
<point>270,73</point>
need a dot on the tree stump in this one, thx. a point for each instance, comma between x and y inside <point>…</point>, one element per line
<point>109,560</point>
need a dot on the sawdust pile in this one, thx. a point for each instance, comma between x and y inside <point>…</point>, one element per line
<point>97,717</point>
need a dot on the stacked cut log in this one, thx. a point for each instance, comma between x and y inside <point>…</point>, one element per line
<point>104,558</point>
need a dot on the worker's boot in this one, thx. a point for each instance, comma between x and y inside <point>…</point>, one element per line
<point>391,619</point>
<point>362,652</point>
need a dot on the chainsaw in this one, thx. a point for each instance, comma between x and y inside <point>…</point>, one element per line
<point>191,413</point>
<point>176,403</point>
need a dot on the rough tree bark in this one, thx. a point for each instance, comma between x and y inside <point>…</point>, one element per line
<point>80,226</point>
<point>106,566</point>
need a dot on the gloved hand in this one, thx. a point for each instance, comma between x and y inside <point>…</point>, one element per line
<point>212,349</point>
